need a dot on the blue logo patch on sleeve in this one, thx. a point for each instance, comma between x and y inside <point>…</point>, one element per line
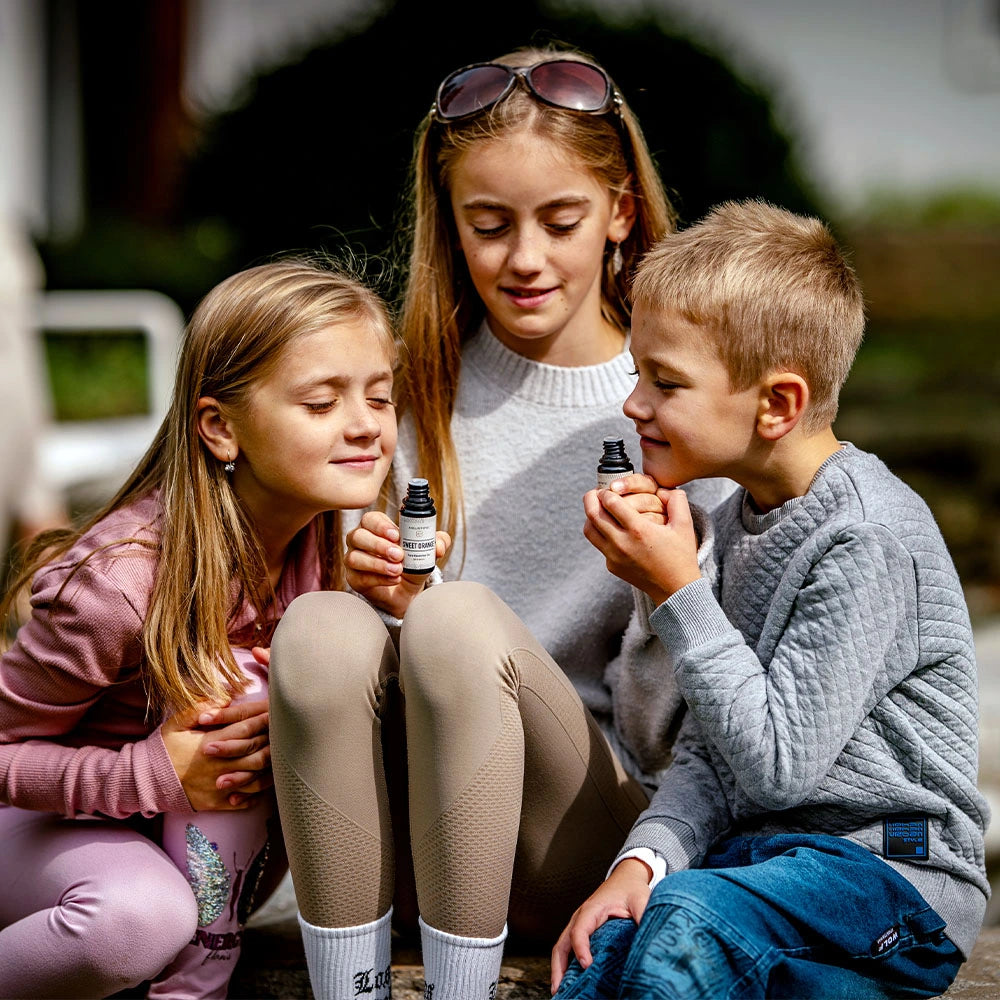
<point>904,838</point>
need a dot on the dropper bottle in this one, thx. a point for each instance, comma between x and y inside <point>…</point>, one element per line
<point>614,463</point>
<point>418,528</point>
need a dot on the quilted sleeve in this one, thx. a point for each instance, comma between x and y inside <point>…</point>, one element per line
<point>689,811</point>
<point>648,708</point>
<point>780,727</point>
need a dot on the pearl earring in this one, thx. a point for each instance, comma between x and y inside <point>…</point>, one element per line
<point>230,465</point>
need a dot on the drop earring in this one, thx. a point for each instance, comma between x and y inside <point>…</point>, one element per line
<point>230,465</point>
<point>617,262</point>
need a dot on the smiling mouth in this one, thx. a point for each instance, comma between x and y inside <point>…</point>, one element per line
<point>357,460</point>
<point>645,441</point>
<point>528,296</point>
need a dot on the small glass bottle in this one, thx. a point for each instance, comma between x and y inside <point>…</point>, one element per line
<point>418,528</point>
<point>614,463</point>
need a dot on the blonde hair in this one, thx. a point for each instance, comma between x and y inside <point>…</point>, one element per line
<point>440,306</point>
<point>208,546</point>
<point>773,290</point>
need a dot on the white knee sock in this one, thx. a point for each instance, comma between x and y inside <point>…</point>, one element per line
<point>460,968</point>
<point>346,962</point>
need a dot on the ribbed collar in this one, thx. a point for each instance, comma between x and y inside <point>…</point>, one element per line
<point>544,384</point>
<point>757,523</point>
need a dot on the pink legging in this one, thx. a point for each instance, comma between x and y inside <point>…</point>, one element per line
<point>91,907</point>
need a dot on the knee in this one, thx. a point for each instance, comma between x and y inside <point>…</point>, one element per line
<point>447,646</point>
<point>685,939</point>
<point>131,940</point>
<point>327,644</point>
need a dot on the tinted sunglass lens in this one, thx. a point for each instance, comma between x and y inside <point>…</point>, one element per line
<point>471,90</point>
<point>570,84</point>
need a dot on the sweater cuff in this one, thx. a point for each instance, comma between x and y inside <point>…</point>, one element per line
<point>167,788</point>
<point>689,618</point>
<point>675,845</point>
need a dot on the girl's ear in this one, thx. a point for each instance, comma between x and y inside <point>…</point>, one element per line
<point>215,430</point>
<point>622,217</point>
<point>783,399</point>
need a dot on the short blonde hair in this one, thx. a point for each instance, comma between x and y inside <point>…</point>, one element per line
<point>774,291</point>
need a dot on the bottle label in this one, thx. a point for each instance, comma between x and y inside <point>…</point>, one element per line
<point>605,479</point>
<point>417,539</point>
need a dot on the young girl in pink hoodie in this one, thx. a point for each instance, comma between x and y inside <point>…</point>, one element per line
<point>135,795</point>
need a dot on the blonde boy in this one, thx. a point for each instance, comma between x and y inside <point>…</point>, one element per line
<point>819,828</point>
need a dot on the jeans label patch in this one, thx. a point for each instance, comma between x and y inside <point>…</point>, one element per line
<point>904,838</point>
<point>888,939</point>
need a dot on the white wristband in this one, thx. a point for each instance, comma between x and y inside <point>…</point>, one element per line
<point>656,864</point>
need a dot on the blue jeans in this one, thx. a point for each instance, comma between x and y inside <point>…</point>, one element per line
<point>788,916</point>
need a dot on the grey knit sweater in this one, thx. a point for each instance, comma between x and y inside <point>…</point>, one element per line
<point>831,682</point>
<point>528,437</point>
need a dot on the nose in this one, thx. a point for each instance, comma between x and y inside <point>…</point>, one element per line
<point>363,423</point>
<point>527,255</point>
<point>635,407</point>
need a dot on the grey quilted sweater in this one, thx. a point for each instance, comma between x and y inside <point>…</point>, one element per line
<point>831,681</point>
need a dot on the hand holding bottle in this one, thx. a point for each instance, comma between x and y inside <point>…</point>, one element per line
<point>375,564</point>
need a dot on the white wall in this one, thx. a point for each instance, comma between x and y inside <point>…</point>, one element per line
<point>22,114</point>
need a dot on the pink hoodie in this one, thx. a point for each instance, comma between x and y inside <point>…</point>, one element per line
<point>75,732</point>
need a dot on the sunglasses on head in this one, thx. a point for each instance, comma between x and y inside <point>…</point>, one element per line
<point>563,83</point>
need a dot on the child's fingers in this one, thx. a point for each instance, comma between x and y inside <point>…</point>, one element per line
<point>580,929</point>
<point>363,542</point>
<point>245,796</point>
<point>259,760</point>
<point>244,729</point>
<point>245,781</point>
<point>646,503</point>
<point>560,959</point>
<point>235,712</point>
<point>262,655</point>
<point>594,509</point>
<point>379,523</point>
<point>442,542</point>
<point>189,718</point>
<point>635,483</point>
<point>389,564</point>
<point>622,509</point>
<point>678,509</point>
<point>600,528</point>
<point>235,780</point>
<point>235,748</point>
<point>366,583</point>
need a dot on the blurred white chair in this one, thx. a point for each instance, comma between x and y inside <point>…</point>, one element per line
<point>93,457</point>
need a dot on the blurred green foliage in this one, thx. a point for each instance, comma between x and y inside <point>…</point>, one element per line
<point>925,397</point>
<point>97,375</point>
<point>946,207</point>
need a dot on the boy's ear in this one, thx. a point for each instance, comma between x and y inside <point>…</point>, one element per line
<point>215,430</point>
<point>622,217</point>
<point>783,399</point>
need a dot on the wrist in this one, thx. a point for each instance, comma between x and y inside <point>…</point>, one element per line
<point>632,869</point>
<point>654,864</point>
<point>663,589</point>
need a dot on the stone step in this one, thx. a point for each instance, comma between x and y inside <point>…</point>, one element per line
<point>273,966</point>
